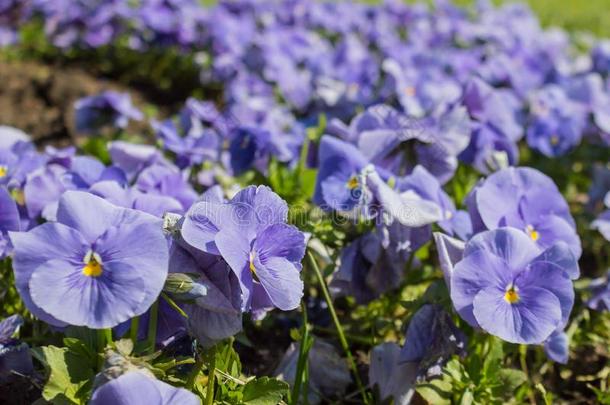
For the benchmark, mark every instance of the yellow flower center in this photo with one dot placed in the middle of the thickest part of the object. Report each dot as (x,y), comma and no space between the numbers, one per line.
(532,233)
(252,268)
(410,91)
(352,183)
(18,196)
(93,265)
(554,140)
(3,171)
(511,295)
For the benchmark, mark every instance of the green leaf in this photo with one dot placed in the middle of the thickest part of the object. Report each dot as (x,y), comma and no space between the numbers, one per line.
(511,379)
(68,373)
(264,391)
(437,391)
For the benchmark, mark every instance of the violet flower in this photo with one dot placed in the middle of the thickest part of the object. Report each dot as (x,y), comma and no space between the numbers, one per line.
(95,271)
(138,388)
(107,108)
(508,286)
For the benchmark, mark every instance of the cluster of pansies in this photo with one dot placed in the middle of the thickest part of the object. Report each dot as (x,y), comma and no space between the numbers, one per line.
(397,109)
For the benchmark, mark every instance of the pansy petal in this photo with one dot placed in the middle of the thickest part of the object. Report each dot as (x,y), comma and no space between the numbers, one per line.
(561,256)
(280,278)
(132,388)
(476,271)
(201,224)
(548,276)
(450,251)
(280,240)
(529,321)
(34,248)
(147,254)
(235,249)
(95,302)
(557,347)
(512,245)
(76,210)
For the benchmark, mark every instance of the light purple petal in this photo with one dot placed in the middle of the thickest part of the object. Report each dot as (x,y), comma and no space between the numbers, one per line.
(95,302)
(280,278)
(38,246)
(530,321)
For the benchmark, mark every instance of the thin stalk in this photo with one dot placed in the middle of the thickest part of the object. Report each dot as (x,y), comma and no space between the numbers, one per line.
(101,345)
(190,382)
(209,395)
(303,357)
(341,335)
(108,335)
(152,325)
(173,304)
(133,331)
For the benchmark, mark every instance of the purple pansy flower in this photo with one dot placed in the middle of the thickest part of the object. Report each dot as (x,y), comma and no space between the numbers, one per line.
(376,262)
(394,378)
(328,371)
(556,123)
(251,234)
(91,270)
(526,199)
(215,312)
(557,347)
(136,388)
(14,355)
(602,223)
(106,108)
(9,220)
(508,286)
(600,290)
(432,338)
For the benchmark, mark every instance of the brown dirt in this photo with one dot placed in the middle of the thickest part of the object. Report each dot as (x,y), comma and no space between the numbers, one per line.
(39,99)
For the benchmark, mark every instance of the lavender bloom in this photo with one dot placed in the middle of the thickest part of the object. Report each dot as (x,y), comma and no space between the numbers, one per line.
(251,234)
(506,285)
(137,388)
(556,124)
(328,371)
(197,146)
(107,108)
(167,181)
(601,56)
(133,158)
(346,182)
(393,378)
(9,221)
(103,269)
(602,223)
(432,338)
(497,127)
(376,262)
(153,204)
(557,348)
(525,199)
(169,22)
(600,298)
(214,311)
(14,355)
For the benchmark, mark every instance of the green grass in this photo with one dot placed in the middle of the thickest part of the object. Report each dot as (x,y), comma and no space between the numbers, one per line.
(575,15)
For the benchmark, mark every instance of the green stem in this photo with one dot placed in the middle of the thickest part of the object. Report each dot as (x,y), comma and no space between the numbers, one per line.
(209,396)
(303,357)
(173,304)
(133,331)
(190,382)
(341,335)
(152,326)
(101,345)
